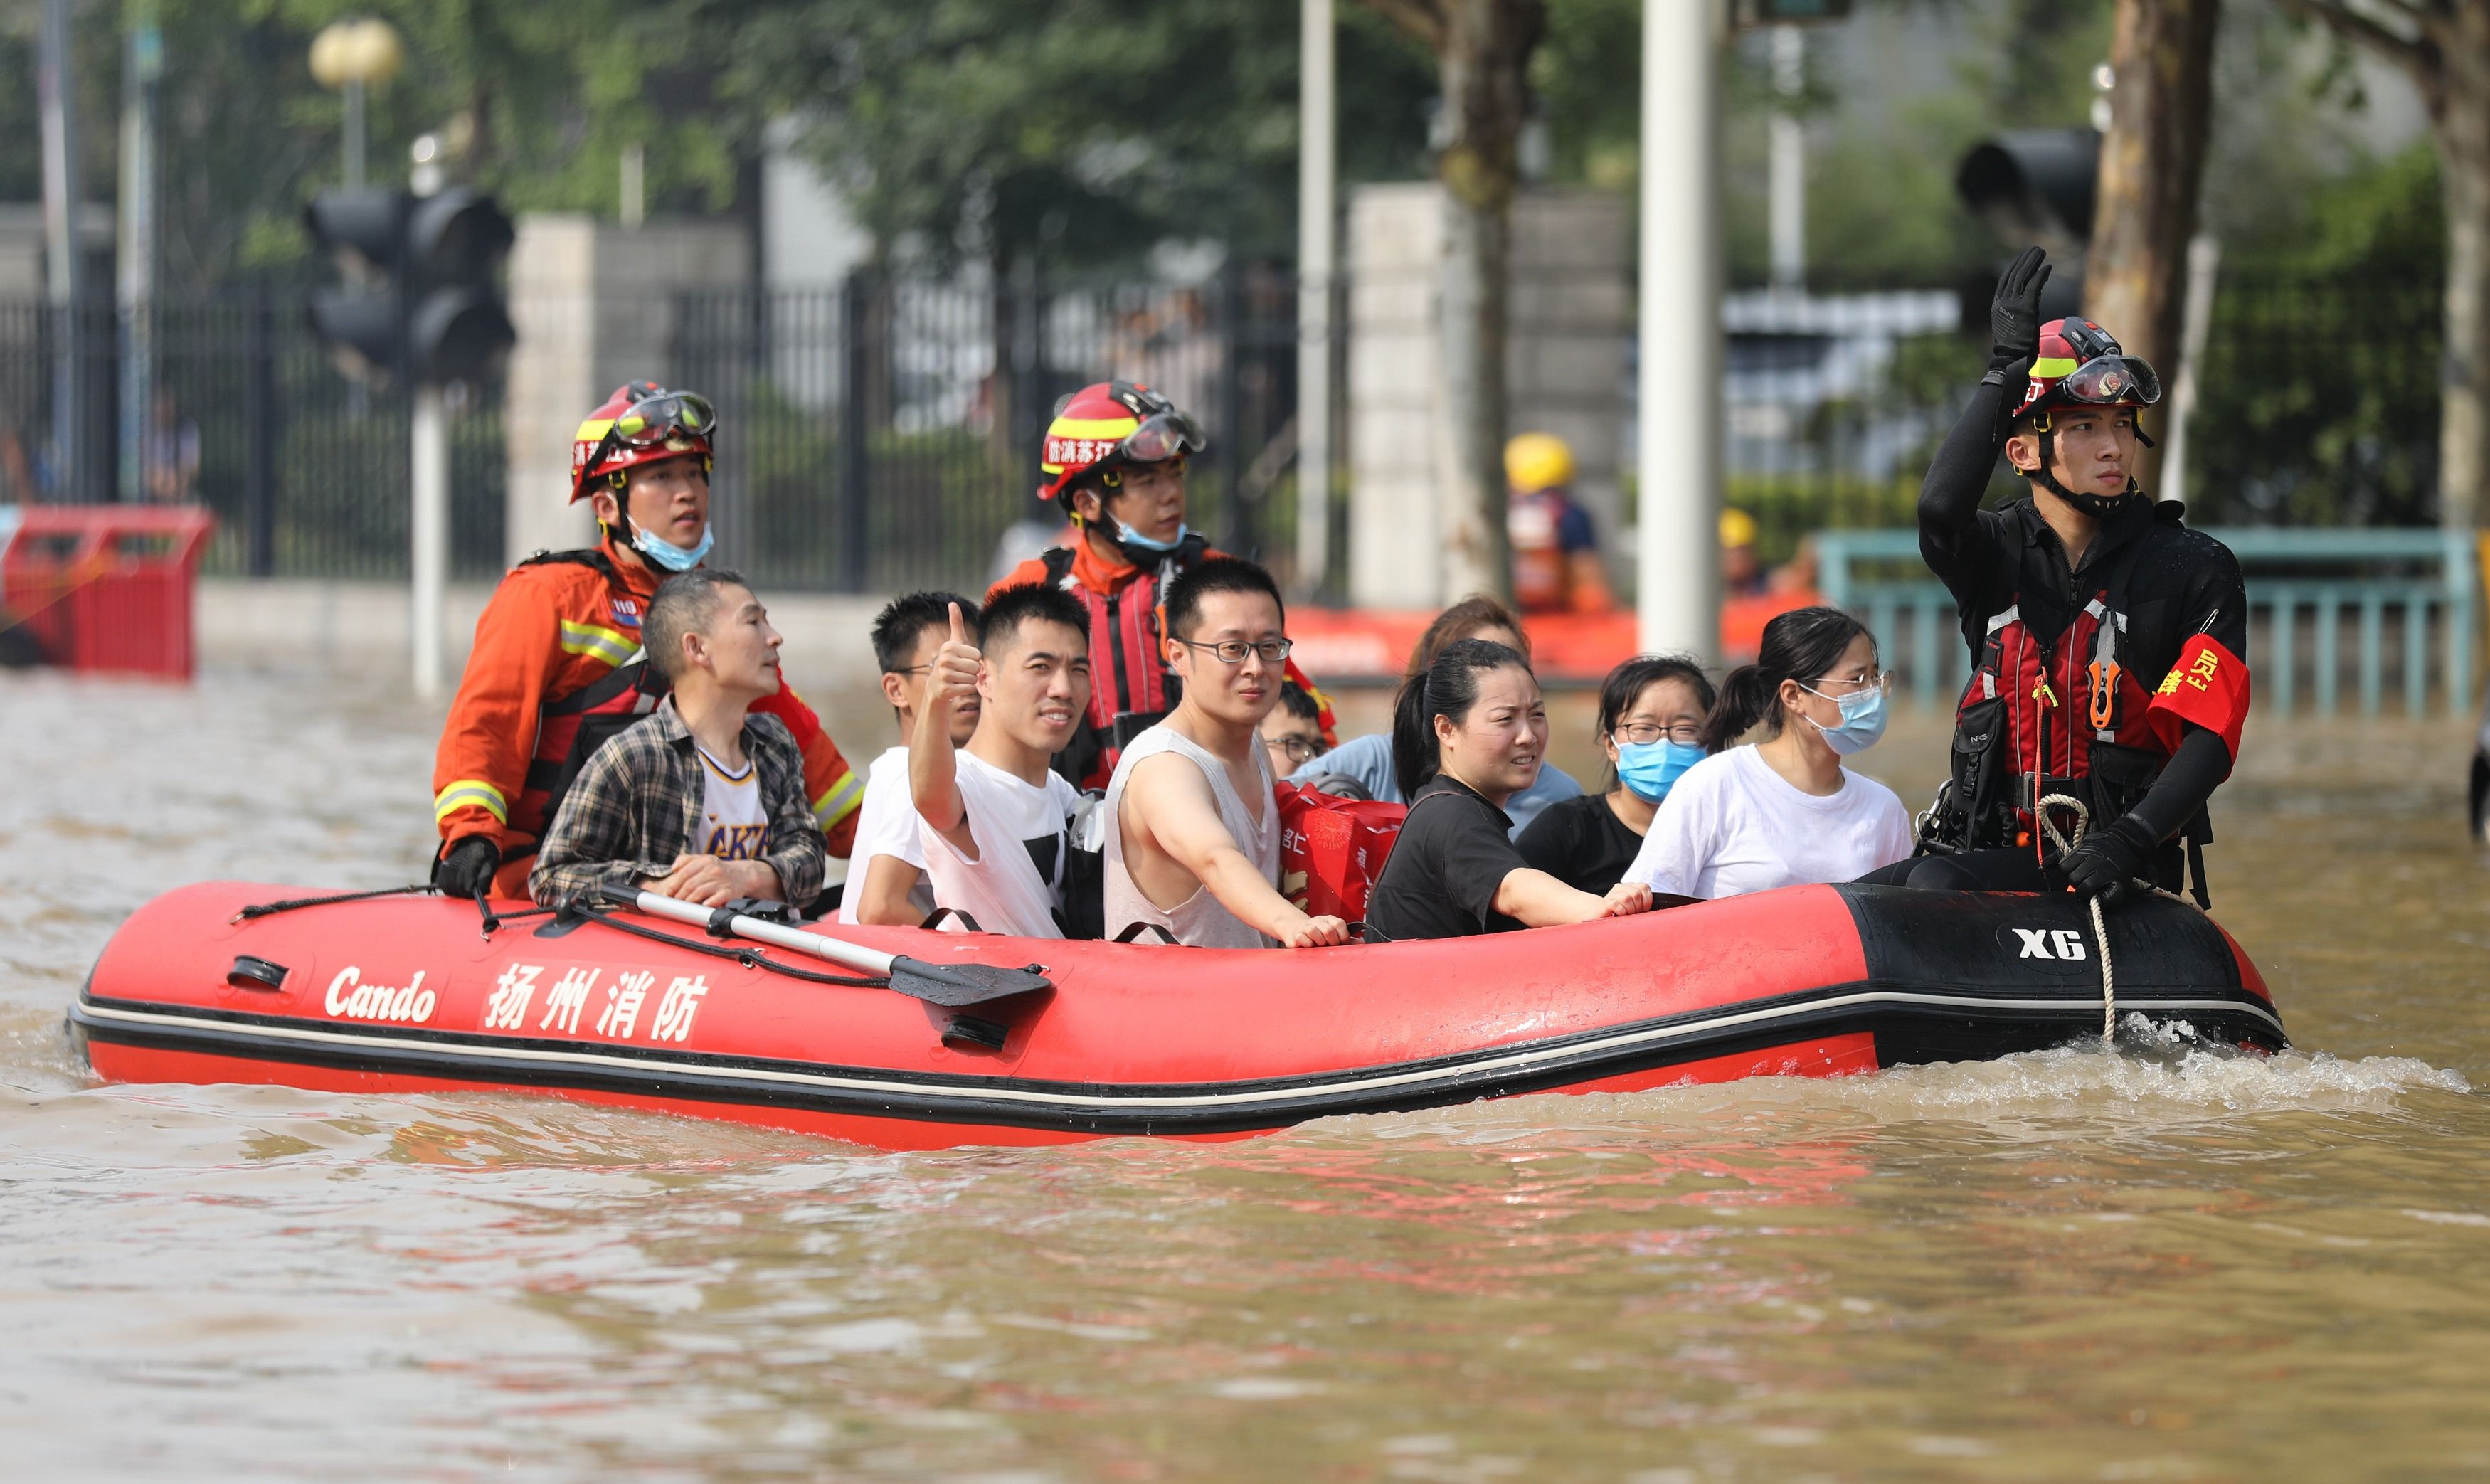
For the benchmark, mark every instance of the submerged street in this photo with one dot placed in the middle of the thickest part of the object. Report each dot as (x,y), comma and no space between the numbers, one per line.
(2157,1265)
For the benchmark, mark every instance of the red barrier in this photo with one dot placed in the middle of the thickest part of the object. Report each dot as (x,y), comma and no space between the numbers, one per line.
(107,587)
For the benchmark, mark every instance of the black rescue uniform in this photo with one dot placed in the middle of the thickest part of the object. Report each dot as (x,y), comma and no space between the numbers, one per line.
(2123,681)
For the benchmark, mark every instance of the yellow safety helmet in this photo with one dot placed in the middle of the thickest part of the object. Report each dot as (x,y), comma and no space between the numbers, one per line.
(1536,461)
(1737,528)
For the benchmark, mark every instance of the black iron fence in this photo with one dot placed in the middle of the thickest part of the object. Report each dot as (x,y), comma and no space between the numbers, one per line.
(306,471)
(882,435)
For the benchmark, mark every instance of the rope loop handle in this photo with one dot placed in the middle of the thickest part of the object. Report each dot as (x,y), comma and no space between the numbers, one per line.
(2065,844)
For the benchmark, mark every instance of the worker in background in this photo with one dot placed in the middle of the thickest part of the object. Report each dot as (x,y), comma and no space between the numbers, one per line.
(1555,551)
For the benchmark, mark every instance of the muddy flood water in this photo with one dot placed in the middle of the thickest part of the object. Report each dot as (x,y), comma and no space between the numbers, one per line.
(2066,1265)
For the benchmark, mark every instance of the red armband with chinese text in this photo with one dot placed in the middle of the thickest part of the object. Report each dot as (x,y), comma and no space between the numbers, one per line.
(2209,686)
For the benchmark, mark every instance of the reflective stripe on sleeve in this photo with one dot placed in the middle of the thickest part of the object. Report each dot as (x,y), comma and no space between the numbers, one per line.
(840,801)
(608,645)
(470,793)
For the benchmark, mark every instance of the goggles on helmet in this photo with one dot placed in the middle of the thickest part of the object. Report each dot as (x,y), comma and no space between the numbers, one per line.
(2111,380)
(2105,374)
(1162,436)
(653,422)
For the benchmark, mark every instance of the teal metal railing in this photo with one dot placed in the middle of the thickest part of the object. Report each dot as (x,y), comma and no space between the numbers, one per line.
(2304,586)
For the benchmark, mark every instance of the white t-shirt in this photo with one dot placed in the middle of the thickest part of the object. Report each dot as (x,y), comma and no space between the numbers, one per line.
(886,826)
(732,826)
(1732,825)
(1016,826)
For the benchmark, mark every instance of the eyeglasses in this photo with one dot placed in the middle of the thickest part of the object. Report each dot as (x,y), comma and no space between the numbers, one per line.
(1878,679)
(1232,652)
(1642,733)
(1298,749)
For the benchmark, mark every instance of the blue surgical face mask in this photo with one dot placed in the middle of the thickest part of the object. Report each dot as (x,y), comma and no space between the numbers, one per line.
(1649,770)
(1126,536)
(1863,720)
(668,555)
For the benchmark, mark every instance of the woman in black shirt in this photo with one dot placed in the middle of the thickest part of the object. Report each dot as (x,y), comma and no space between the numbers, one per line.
(1651,726)
(1467,734)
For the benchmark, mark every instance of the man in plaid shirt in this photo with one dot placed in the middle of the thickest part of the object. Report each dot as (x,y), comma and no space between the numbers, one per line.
(703,800)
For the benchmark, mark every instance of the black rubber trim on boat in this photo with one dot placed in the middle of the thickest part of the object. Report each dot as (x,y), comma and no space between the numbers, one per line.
(1910,1024)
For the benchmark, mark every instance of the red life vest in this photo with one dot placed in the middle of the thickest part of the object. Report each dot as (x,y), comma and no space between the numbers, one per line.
(1131,689)
(2064,701)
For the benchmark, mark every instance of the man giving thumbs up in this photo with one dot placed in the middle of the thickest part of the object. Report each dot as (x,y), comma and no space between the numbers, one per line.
(995,815)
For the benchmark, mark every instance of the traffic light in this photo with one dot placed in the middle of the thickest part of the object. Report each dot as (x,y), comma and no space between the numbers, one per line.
(1790,13)
(420,301)
(2034,186)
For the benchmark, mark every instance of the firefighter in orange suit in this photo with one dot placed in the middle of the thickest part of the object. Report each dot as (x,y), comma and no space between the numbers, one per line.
(557,667)
(1113,462)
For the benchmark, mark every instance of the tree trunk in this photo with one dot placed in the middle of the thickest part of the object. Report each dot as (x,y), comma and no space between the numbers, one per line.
(2461,122)
(1484,54)
(2152,162)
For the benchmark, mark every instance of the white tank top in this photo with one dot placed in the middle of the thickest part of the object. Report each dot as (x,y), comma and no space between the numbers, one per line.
(1199,921)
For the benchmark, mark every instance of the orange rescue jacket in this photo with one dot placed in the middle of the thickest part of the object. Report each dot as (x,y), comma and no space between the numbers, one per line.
(552,629)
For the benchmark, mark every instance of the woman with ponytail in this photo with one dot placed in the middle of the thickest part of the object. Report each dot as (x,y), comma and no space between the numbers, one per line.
(1467,735)
(1783,810)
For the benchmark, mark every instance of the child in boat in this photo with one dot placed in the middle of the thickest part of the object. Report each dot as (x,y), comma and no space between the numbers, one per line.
(1467,735)
(1194,844)
(1651,726)
(886,881)
(703,800)
(1785,810)
(1362,767)
(994,816)
(1292,734)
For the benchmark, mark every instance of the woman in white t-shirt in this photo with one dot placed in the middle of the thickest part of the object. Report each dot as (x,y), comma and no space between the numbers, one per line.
(1783,811)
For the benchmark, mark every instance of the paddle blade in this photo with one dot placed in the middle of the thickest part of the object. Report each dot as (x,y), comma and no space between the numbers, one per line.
(953,985)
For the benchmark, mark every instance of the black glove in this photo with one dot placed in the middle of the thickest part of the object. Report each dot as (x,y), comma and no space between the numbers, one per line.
(2014,313)
(465,871)
(2108,859)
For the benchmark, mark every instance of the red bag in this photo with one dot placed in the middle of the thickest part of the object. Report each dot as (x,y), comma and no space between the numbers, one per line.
(1332,849)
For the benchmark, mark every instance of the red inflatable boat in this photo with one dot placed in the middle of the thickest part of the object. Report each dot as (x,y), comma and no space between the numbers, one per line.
(1053,1042)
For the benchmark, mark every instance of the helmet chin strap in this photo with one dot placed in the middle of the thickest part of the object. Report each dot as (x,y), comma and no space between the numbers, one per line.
(2097,506)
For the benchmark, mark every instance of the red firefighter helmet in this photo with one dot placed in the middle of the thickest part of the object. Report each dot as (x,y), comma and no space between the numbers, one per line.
(641,424)
(2080,366)
(1104,426)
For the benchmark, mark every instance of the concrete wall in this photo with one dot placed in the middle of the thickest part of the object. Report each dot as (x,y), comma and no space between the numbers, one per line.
(1570,320)
(594,307)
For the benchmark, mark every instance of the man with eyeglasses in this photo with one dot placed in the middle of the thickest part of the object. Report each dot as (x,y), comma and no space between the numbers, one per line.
(1193,847)
(1115,461)
(556,666)
(2108,641)
(1293,733)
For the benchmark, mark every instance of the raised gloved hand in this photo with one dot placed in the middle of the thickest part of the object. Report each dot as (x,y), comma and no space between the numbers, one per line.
(465,871)
(2014,313)
(2110,857)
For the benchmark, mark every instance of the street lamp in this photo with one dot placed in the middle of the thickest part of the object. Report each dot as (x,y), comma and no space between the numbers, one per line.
(348,56)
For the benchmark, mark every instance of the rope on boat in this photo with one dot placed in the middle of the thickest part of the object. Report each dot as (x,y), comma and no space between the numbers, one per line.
(2065,843)
(271,909)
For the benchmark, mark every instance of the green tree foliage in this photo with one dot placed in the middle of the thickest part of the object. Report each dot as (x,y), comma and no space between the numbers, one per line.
(1082,130)
(538,103)
(2320,401)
